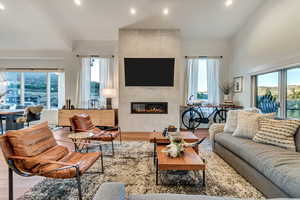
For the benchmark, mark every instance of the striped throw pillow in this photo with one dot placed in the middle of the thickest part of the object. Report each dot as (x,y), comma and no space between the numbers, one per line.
(277,132)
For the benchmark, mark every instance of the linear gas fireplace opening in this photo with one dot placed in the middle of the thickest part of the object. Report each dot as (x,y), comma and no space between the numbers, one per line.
(149,107)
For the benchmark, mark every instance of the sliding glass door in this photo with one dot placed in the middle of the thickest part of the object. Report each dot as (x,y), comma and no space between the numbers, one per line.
(267,92)
(279,88)
(293,93)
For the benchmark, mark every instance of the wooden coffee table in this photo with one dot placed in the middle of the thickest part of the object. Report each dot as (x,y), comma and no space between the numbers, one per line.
(158,138)
(189,161)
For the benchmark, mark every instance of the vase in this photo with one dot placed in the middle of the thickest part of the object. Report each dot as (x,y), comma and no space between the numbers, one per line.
(226,97)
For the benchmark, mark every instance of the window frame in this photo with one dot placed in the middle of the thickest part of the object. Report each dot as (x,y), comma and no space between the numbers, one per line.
(282,87)
(48,86)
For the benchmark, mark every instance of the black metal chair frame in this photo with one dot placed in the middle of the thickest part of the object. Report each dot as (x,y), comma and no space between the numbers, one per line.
(112,141)
(12,168)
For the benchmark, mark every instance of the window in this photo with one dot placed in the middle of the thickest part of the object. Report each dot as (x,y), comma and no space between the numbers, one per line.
(293,93)
(54,83)
(34,88)
(267,96)
(282,88)
(197,69)
(13,95)
(35,84)
(203,80)
(202,93)
(95,79)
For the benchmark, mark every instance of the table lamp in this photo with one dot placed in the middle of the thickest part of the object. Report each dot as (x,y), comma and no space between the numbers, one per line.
(109,93)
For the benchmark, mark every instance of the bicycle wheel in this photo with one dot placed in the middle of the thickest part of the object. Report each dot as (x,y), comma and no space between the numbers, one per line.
(220,116)
(191,118)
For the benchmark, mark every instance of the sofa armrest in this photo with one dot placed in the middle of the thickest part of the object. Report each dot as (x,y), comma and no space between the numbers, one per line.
(214,129)
(110,191)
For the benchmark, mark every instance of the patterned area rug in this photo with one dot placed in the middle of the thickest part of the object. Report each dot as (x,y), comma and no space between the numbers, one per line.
(133,165)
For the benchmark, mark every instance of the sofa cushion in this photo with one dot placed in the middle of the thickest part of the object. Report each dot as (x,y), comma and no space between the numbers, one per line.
(232,119)
(82,122)
(55,153)
(280,166)
(31,141)
(277,132)
(248,123)
(176,197)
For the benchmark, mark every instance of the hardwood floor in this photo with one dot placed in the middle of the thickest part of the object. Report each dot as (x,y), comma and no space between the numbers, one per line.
(22,184)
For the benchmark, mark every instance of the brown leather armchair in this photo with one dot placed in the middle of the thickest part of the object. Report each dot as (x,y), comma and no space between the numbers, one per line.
(83,123)
(34,151)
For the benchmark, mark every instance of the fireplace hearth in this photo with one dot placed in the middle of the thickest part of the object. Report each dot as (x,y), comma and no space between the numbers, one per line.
(149,108)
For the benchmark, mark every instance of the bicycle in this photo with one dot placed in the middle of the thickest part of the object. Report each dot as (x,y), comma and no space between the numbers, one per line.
(194,115)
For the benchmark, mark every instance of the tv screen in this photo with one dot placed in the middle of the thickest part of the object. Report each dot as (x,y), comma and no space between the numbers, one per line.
(149,71)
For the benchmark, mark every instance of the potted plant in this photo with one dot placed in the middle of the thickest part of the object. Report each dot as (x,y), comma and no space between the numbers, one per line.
(227,88)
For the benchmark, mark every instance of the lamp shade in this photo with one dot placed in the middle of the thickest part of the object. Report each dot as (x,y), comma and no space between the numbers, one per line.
(109,92)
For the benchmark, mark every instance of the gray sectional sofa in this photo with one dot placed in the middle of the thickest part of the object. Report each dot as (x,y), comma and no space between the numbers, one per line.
(272,170)
(116,191)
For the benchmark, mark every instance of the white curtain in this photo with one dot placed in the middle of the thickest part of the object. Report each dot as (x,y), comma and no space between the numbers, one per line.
(83,83)
(213,77)
(61,89)
(106,77)
(192,77)
(106,80)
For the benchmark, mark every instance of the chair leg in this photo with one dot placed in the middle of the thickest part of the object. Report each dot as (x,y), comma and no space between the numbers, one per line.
(120,136)
(78,183)
(112,147)
(10,184)
(102,164)
(1,124)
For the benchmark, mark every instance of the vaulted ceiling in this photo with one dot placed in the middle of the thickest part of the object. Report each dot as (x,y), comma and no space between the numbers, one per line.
(54,24)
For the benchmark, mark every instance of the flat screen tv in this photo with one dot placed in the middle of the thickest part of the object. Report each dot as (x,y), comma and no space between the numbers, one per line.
(149,72)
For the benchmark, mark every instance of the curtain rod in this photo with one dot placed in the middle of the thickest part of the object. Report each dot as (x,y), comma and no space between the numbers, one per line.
(220,57)
(94,56)
(32,69)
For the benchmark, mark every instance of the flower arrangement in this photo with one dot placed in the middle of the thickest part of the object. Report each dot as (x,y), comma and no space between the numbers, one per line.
(227,88)
(177,145)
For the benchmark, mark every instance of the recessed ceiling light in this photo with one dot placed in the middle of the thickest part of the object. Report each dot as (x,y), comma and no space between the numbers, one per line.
(166,11)
(229,3)
(132,11)
(77,2)
(2,7)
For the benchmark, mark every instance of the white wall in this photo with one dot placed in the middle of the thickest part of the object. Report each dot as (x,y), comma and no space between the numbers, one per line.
(270,39)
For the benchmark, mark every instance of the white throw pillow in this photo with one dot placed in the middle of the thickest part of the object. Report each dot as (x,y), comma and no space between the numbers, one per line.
(232,118)
(248,123)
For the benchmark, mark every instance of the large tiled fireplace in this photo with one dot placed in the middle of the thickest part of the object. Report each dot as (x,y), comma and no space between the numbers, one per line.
(149,108)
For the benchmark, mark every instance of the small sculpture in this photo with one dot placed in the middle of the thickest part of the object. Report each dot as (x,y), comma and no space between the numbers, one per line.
(177,146)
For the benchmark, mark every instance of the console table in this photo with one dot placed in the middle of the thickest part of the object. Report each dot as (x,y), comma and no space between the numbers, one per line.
(99,117)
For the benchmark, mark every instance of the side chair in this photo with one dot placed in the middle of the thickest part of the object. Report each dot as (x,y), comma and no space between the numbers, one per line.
(33,151)
(83,123)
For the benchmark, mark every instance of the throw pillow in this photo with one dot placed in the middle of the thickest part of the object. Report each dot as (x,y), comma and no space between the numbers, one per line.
(232,118)
(248,123)
(278,132)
